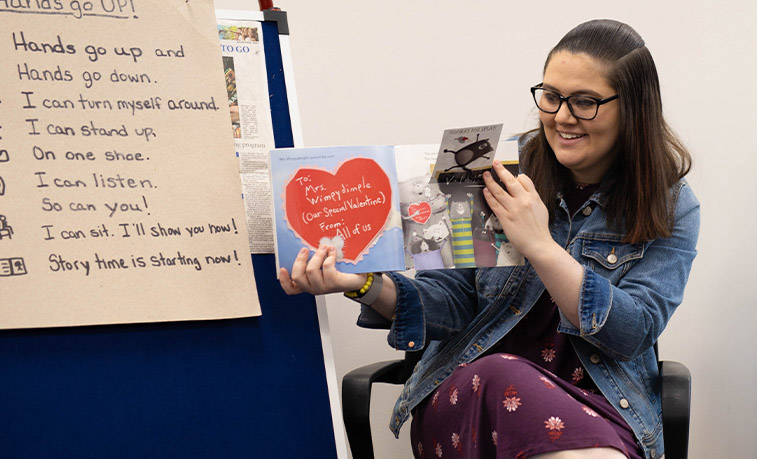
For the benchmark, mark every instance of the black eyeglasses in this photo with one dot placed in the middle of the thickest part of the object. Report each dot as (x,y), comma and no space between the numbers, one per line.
(581,107)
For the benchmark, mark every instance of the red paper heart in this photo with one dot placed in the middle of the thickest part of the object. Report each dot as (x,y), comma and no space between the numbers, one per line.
(353,203)
(420,212)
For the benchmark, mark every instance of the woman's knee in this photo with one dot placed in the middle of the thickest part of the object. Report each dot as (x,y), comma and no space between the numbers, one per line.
(585,453)
(505,366)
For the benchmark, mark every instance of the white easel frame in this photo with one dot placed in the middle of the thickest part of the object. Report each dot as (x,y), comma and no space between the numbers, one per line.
(320,301)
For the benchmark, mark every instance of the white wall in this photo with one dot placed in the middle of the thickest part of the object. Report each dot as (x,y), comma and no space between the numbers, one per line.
(379,72)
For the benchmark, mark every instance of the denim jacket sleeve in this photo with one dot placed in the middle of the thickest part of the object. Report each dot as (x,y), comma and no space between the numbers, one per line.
(624,312)
(432,306)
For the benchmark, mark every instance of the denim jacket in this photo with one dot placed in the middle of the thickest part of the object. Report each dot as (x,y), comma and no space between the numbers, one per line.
(628,293)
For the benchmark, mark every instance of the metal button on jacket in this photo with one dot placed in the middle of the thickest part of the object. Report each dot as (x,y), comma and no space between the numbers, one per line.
(587,211)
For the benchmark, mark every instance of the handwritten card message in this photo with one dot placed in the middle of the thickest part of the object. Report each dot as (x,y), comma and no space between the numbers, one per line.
(348,208)
(120,198)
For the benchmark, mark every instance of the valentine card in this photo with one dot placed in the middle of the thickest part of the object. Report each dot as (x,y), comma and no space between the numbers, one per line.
(344,197)
(382,209)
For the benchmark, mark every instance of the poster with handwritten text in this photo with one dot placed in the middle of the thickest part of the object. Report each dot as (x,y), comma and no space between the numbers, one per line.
(120,198)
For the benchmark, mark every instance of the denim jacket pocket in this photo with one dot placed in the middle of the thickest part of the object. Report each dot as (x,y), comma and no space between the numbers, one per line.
(608,256)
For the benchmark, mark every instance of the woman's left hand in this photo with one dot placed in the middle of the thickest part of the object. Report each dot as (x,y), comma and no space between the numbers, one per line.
(525,220)
(520,210)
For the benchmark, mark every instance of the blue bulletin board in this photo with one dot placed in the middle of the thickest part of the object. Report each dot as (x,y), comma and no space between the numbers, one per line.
(253,387)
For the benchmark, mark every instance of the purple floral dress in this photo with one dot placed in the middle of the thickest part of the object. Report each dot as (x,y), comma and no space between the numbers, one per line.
(529,395)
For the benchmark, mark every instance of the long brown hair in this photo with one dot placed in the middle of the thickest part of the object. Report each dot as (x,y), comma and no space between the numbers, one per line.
(651,158)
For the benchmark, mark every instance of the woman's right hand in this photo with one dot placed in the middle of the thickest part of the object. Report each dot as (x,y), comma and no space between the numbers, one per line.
(318,275)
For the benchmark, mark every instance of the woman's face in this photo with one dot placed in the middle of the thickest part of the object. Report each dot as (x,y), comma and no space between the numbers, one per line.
(586,148)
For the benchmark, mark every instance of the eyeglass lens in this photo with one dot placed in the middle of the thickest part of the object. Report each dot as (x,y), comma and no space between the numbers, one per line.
(581,107)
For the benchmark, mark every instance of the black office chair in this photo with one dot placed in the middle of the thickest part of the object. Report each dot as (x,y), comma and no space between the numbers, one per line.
(356,402)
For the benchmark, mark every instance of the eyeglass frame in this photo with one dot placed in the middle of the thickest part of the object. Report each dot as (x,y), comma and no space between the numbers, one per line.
(562,98)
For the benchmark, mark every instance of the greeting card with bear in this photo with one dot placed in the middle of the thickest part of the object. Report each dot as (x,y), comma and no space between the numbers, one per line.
(385,208)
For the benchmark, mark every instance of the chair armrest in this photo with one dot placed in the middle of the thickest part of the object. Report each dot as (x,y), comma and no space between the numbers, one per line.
(356,402)
(676,408)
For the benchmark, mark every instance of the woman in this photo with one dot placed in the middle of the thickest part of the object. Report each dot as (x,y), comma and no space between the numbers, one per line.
(555,357)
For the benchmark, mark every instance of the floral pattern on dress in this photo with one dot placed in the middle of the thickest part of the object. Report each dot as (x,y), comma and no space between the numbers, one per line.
(578,375)
(511,401)
(476,383)
(437,448)
(435,400)
(453,395)
(456,443)
(547,383)
(589,411)
(548,353)
(555,427)
(494,437)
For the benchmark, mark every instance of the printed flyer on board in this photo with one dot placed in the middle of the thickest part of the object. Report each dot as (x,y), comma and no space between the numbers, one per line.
(251,125)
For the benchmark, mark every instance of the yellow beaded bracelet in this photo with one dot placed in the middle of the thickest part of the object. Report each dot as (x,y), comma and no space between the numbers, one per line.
(361,291)
(369,292)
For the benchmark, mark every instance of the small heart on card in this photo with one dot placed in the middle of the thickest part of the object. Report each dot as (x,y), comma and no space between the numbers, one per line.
(420,212)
